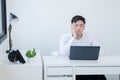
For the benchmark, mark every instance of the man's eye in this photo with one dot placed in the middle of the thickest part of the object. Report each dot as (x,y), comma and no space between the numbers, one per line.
(76,25)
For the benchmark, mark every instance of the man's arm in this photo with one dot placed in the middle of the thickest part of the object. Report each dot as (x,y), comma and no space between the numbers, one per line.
(65,44)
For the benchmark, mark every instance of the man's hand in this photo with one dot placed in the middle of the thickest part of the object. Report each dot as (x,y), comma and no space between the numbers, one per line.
(74,32)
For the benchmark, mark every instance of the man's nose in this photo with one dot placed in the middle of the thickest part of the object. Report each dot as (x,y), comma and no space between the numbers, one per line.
(79,27)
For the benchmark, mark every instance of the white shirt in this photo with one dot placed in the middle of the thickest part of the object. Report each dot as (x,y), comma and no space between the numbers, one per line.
(67,40)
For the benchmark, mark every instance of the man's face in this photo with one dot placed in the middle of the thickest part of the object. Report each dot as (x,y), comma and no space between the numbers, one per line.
(79,26)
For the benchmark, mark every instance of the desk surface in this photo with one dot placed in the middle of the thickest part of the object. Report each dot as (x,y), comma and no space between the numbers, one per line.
(108,60)
(5,62)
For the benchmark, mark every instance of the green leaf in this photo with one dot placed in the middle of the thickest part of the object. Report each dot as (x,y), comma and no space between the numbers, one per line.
(30,53)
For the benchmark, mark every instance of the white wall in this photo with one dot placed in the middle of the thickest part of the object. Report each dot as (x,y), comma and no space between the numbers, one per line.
(42,22)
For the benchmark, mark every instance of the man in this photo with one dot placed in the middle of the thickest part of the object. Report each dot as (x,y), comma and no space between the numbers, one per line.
(78,38)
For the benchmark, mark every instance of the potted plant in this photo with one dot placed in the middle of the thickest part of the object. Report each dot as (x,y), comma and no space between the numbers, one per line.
(30,54)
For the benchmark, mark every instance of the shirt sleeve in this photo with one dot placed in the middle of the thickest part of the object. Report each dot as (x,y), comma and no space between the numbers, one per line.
(65,43)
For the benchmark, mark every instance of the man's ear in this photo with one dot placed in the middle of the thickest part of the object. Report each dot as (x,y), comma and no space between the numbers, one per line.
(71,25)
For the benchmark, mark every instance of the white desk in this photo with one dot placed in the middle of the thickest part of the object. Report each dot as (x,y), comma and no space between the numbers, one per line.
(61,68)
(27,71)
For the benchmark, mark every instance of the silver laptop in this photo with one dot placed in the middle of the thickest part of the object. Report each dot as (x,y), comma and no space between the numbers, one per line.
(84,52)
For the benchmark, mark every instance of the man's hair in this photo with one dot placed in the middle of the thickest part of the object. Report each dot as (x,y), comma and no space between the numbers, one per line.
(77,18)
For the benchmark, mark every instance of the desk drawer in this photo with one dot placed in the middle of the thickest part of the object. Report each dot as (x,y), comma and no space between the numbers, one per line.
(97,70)
(60,78)
(59,71)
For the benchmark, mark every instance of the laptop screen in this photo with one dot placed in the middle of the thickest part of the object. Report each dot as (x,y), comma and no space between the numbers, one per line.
(84,52)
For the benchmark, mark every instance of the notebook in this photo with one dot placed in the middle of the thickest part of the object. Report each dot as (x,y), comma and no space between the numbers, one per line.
(84,52)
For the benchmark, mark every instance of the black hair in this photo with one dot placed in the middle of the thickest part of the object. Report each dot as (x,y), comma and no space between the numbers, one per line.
(77,18)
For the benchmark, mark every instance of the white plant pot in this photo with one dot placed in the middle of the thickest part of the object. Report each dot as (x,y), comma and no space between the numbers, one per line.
(31,60)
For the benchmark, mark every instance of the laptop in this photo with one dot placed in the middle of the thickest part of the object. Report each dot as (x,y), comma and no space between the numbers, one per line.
(84,52)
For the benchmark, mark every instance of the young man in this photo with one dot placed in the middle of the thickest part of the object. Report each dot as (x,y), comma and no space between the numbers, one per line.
(78,38)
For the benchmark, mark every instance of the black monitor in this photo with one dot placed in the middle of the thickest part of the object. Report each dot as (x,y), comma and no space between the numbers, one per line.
(3,22)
